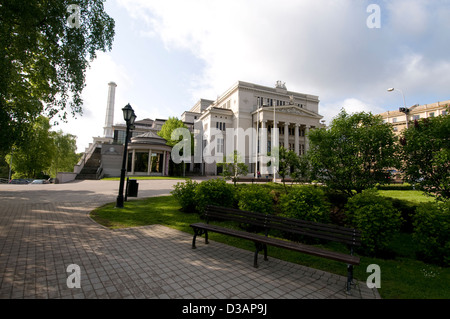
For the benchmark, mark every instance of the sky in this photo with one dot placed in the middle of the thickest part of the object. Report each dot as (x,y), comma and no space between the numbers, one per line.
(168,54)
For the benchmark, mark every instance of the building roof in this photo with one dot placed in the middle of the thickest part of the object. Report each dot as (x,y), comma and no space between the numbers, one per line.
(148,138)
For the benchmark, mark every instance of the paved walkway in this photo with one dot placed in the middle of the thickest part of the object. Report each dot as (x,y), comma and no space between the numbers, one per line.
(46,228)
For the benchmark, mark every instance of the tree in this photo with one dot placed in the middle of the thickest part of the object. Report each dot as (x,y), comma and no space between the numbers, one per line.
(425,151)
(354,153)
(289,164)
(64,156)
(45,49)
(166,131)
(45,152)
(233,167)
(34,156)
(168,127)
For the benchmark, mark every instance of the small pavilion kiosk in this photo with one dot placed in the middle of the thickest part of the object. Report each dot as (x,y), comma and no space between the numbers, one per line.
(148,155)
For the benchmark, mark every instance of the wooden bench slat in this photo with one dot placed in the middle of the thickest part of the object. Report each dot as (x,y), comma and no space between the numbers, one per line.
(349,236)
(311,250)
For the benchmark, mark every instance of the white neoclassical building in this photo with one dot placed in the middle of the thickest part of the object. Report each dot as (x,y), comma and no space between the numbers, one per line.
(251,112)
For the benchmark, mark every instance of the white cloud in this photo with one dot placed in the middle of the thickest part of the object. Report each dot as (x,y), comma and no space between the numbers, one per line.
(102,71)
(317,47)
(350,105)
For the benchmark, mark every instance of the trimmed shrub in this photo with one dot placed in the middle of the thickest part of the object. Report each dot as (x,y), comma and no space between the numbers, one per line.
(432,232)
(306,203)
(377,219)
(184,193)
(255,199)
(214,192)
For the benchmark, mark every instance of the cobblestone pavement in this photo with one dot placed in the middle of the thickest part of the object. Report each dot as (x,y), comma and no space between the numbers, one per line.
(46,228)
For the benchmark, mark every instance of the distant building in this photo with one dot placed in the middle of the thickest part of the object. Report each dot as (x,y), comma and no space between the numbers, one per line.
(252,106)
(250,109)
(416,112)
(148,153)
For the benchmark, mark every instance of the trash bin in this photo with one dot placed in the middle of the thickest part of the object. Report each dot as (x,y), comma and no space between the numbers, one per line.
(132,188)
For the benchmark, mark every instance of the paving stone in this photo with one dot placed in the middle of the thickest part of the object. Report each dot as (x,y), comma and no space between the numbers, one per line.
(46,228)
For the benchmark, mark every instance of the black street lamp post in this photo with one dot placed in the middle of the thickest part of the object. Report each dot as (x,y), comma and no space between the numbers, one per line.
(130,117)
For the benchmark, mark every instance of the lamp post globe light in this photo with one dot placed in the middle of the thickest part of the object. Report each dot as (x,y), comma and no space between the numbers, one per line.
(129,117)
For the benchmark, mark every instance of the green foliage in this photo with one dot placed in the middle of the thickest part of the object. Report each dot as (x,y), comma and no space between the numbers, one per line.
(377,219)
(255,199)
(233,167)
(432,232)
(306,203)
(425,151)
(64,156)
(214,192)
(44,151)
(35,155)
(43,60)
(292,165)
(184,192)
(168,127)
(354,153)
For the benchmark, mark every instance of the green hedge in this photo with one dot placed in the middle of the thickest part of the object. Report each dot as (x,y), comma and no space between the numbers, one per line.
(377,219)
(432,232)
(255,199)
(184,192)
(214,192)
(306,203)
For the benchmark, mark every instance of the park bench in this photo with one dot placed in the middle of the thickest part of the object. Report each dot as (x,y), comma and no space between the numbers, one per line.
(267,223)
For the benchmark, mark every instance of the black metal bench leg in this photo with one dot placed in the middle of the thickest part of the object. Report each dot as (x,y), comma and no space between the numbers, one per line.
(193,239)
(257,249)
(349,277)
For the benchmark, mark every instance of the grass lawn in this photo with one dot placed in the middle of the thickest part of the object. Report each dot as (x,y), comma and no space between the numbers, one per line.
(409,195)
(402,277)
(144,178)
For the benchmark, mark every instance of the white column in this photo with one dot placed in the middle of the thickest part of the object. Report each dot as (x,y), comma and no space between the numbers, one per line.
(256,147)
(275,135)
(149,168)
(306,139)
(263,148)
(297,142)
(286,135)
(275,144)
(263,143)
(132,162)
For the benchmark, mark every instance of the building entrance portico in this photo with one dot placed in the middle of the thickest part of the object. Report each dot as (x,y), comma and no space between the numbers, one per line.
(282,126)
(148,155)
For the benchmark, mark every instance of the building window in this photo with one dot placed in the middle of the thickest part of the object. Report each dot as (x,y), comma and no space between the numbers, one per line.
(432,114)
(394,120)
(219,145)
(416,117)
(220,126)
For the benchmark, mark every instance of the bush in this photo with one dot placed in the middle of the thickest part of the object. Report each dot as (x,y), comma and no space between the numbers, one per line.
(432,232)
(255,199)
(408,210)
(377,219)
(306,203)
(184,193)
(214,192)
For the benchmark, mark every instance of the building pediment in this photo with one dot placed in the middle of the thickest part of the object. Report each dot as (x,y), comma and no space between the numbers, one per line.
(292,110)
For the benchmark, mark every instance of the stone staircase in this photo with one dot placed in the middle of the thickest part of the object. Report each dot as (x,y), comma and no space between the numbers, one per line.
(91,167)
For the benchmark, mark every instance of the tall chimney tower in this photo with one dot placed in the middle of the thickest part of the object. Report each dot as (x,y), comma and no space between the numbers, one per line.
(109,119)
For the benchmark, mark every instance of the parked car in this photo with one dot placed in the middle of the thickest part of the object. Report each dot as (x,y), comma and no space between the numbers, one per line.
(40,181)
(18,181)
